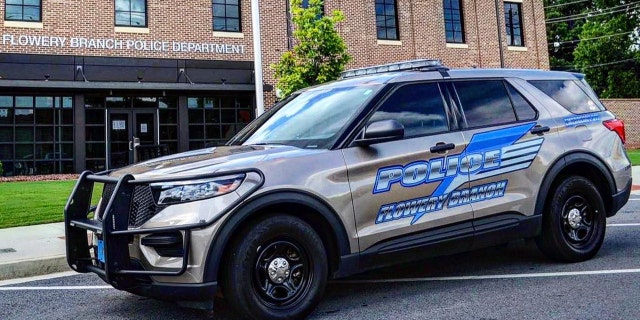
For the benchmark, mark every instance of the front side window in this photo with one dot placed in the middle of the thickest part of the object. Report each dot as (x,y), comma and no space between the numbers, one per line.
(226,15)
(418,107)
(23,10)
(513,22)
(387,20)
(485,102)
(453,22)
(131,13)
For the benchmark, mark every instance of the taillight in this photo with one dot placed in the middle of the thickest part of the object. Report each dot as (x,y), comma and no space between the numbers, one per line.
(616,125)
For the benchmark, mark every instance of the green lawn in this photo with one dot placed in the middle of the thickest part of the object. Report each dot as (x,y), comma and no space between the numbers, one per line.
(634,156)
(27,203)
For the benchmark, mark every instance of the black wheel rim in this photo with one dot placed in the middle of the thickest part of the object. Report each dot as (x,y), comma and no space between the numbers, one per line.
(282,273)
(578,221)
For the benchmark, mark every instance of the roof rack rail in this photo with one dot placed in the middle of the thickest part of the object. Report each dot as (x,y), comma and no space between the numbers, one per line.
(420,65)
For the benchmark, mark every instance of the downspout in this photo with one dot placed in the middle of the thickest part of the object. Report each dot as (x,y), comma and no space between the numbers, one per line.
(499,34)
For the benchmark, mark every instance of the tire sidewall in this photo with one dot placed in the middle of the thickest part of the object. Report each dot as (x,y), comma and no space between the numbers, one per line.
(243,259)
(568,188)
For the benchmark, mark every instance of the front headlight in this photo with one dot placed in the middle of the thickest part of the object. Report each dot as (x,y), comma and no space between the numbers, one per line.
(183,191)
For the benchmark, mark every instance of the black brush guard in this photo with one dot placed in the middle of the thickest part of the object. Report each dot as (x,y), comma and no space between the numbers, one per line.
(118,269)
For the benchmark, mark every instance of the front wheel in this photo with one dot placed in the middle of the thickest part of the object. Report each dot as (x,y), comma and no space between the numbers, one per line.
(277,269)
(573,225)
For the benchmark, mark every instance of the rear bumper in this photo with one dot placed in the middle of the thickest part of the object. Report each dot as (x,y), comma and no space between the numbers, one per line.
(620,199)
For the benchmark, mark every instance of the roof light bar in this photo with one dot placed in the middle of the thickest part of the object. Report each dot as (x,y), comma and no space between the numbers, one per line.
(396,66)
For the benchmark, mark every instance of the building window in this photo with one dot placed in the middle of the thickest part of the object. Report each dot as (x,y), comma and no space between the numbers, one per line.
(226,15)
(214,120)
(513,21)
(36,134)
(387,20)
(131,13)
(23,10)
(453,22)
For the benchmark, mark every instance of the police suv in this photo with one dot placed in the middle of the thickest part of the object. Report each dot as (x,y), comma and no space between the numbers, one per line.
(389,164)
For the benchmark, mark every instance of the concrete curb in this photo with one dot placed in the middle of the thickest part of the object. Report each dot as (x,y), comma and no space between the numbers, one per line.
(33,267)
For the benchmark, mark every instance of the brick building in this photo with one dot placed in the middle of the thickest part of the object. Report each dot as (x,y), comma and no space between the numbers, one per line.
(80,79)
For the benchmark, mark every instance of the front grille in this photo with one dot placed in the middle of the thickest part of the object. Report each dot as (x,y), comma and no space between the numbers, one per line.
(143,206)
(107,191)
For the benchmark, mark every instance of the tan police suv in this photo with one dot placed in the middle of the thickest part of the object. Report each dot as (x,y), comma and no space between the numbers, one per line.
(389,164)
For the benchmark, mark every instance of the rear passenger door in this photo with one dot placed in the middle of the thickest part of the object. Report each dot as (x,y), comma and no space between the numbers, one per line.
(507,147)
(400,187)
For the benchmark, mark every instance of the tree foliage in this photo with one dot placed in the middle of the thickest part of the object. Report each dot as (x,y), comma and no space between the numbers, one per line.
(319,54)
(603,43)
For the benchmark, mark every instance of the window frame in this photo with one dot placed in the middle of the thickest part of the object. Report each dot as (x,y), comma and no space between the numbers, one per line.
(452,22)
(225,17)
(39,6)
(130,25)
(395,17)
(508,23)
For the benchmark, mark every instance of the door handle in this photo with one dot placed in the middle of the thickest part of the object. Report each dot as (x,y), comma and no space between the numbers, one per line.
(442,147)
(130,145)
(538,129)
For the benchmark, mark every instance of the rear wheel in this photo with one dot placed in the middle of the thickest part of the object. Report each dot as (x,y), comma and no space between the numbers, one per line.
(276,269)
(573,227)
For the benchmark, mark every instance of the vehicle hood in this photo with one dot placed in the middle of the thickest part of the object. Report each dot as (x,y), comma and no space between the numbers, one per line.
(206,161)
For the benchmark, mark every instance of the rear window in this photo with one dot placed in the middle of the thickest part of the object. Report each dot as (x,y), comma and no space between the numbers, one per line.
(485,102)
(568,94)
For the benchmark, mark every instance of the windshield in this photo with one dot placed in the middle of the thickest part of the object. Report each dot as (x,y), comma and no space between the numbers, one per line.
(314,118)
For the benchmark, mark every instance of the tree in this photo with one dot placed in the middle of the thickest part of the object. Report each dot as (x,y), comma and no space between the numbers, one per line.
(319,54)
(600,38)
(611,58)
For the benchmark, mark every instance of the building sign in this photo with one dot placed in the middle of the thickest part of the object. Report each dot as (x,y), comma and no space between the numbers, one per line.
(112,44)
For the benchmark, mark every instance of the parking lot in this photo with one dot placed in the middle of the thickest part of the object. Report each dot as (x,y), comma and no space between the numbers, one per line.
(507,282)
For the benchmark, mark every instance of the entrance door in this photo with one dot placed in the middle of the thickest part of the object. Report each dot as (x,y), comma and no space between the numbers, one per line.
(128,128)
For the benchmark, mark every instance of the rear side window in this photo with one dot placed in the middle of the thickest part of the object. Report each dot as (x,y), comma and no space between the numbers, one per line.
(485,102)
(524,110)
(568,94)
(419,107)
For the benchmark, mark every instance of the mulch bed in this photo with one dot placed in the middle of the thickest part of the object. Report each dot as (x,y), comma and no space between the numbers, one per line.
(48,177)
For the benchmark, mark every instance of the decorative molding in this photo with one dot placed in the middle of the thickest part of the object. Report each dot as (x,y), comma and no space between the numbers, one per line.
(458,45)
(514,48)
(222,34)
(24,24)
(390,42)
(130,30)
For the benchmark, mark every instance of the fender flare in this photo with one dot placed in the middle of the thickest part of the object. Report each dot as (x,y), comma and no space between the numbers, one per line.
(246,211)
(563,162)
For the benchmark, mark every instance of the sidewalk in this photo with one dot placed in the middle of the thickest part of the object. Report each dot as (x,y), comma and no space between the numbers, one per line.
(36,250)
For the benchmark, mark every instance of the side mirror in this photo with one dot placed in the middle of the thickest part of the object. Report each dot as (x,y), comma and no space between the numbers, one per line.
(381,131)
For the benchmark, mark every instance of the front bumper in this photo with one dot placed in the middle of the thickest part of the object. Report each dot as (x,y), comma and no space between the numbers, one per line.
(118,267)
(620,199)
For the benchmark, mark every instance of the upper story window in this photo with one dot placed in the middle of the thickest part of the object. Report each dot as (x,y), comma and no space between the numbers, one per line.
(453,21)
(387,19)
(23,10)
(131,13)
(513,22)
(226,15)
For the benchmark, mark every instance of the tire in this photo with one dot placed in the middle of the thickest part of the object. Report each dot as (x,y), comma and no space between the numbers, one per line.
(573,225)
(275,269)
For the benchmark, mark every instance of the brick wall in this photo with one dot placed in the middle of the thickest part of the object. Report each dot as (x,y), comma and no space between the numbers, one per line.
(421,26)
(629,111)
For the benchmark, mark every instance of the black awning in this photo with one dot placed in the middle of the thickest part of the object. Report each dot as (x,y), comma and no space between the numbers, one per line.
(103,85)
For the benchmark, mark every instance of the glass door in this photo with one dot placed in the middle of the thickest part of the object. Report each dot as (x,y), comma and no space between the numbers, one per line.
(127,129)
